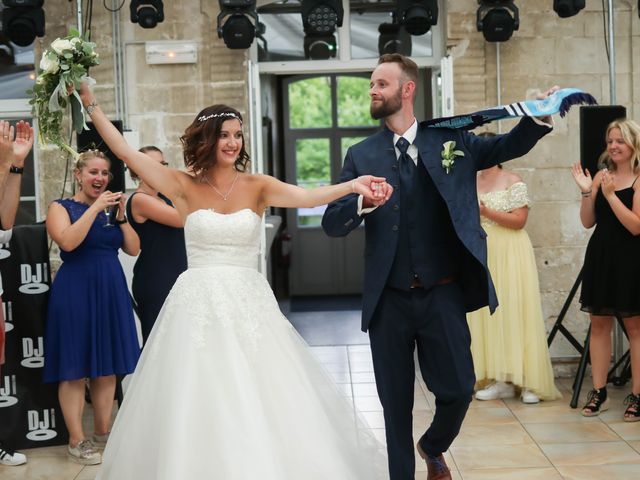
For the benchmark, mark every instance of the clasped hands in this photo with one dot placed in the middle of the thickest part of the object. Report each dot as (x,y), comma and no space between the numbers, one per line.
(375,190)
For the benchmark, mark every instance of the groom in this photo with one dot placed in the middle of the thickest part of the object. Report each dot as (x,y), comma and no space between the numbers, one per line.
(425,259)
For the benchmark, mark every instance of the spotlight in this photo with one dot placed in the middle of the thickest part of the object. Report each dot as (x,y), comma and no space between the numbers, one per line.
(394,39)
(417,16)
(319,47)
(147,13)
(319,20)
(238,31)
(23,21)
(321,17)
(497,19)
(567,8)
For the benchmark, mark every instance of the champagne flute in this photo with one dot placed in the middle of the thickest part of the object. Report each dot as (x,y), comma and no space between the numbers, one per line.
(110,213)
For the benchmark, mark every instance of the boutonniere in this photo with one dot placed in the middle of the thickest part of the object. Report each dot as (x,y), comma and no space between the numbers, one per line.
(449,154)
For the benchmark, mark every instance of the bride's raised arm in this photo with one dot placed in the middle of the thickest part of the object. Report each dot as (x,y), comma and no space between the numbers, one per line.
(165,180)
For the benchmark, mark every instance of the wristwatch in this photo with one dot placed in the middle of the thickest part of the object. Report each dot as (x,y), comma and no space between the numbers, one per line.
(14,169)
(120,222)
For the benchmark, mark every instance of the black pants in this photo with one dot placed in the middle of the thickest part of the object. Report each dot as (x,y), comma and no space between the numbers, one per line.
(434,321)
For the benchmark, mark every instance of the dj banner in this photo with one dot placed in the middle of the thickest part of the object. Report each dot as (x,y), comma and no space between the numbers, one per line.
(30,415)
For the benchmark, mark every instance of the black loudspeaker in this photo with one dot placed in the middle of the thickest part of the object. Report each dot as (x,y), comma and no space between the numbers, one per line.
(594,121)
(91,139)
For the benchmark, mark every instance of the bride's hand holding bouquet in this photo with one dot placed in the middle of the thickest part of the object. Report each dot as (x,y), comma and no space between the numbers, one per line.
(65,64)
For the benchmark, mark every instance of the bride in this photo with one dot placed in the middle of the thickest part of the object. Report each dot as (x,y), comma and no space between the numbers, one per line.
(225,388)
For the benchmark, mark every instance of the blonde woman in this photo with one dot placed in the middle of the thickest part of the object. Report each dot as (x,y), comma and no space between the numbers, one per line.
(610,286)
(90,331)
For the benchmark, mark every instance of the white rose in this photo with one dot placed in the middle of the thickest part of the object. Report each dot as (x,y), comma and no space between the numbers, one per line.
(76,42)
(49,65)
(59,45)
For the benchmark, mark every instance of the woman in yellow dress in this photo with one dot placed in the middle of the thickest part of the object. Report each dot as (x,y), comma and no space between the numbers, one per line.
(509,347)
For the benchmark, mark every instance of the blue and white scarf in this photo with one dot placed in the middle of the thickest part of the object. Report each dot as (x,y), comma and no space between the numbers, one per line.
(558,102)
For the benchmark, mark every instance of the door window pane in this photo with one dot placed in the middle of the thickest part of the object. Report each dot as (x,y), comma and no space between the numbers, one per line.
(310,103)
(353,102)
(313,169)
(17,70)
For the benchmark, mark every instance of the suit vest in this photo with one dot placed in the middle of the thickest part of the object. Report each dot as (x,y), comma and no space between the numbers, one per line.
(428,246)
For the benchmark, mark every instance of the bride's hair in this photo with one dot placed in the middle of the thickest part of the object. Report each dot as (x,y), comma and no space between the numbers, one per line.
(201,138)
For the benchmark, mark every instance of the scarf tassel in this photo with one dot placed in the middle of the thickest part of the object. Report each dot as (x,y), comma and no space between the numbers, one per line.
(579,98)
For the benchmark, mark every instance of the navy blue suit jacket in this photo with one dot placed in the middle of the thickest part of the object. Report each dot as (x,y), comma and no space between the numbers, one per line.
(376,156)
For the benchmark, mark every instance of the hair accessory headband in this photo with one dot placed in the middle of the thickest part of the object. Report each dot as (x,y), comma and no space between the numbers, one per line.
(204,118)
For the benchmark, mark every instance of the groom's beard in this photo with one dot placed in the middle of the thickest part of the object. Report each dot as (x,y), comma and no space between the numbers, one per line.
(388,107)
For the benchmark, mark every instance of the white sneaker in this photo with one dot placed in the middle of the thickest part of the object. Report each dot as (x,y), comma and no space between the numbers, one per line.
(84,453)
(11,458)
(496,390)
(528,396)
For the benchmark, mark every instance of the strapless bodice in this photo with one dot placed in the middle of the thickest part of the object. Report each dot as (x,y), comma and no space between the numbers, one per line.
(214,238)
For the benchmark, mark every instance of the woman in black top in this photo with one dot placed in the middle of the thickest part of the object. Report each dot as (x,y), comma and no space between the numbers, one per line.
(163,256)
(610,287)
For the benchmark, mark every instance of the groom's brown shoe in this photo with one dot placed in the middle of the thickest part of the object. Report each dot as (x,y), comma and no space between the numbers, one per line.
(436,466)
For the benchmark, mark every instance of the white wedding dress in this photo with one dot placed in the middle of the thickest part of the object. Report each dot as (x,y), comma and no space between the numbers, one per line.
(225,388)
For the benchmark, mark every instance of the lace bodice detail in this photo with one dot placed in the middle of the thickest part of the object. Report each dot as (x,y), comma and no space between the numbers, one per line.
(214,238)
(515,196)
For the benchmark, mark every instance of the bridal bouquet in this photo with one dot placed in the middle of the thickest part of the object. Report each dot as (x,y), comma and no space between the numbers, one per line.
(64,64)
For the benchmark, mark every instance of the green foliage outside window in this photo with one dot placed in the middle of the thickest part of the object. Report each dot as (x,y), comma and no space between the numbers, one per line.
(310,103)
(353,103)
(312,162)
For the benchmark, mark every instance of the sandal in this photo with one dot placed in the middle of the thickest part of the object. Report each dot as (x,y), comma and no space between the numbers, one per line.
(597,402)
(632,413)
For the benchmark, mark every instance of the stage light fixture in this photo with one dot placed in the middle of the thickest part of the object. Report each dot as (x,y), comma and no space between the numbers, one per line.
(497,19)
(238,31)
(417,16)
(147,13)
(320,47)
(568,8)
(321,17)
(23,21)
(393,39)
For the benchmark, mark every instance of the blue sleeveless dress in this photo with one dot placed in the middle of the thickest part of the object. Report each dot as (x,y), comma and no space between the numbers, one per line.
(90,329)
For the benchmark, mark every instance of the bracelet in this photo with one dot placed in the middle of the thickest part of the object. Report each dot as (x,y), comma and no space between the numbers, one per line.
(91,107)
(14,169)
(353,186)
(586,194)
(120,222)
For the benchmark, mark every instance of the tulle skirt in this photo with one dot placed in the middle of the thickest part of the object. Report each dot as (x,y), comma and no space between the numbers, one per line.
(511,344)
(226,389)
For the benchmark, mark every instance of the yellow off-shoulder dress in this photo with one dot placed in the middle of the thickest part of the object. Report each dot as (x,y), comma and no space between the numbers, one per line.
(511,345)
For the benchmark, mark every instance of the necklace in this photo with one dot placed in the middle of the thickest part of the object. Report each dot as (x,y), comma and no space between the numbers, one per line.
(223,195)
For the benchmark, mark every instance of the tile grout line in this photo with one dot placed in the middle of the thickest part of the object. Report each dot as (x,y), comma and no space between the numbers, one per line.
(534,440)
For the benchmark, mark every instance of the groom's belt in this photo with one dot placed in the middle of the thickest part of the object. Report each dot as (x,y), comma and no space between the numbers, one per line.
(417,283)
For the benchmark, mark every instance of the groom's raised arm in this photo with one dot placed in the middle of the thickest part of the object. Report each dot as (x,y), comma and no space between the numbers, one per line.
(489,151)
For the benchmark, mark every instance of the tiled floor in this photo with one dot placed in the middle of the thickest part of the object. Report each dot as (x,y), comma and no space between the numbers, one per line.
(499,439)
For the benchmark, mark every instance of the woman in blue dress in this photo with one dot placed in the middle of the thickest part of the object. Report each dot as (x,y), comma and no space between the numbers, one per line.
(90,329)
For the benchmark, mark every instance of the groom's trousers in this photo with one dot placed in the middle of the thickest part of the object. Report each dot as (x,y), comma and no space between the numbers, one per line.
(434,321)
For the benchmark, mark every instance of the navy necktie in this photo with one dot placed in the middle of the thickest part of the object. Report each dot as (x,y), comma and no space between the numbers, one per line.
(406,167)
